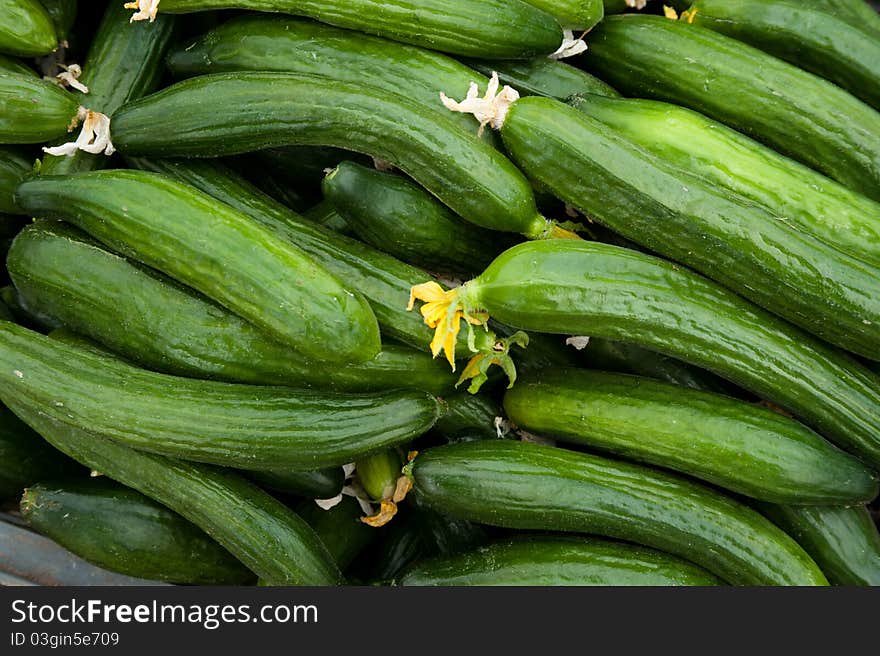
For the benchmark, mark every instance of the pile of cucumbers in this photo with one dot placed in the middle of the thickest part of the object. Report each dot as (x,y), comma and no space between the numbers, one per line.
(471,292)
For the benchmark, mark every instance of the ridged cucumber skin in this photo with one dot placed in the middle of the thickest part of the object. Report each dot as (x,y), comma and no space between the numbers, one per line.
(270,43)
(857,12)
(62,13)
(243,266)
(33,110)
(579,288)
(809,38)
(12,65)
(799,195)
(676,213)
(558,561)
(276,109)
(397,216)
(119,529)
(14,166)
(23,315)
(790,110)
(26,29)
(326,216)
(318,484)
(572,14)
(488,28)
(162,325)
(124,62)
(264,534)
(468,413)
(733,444)
(246,426)
(26,459)
(843,541)
(544,77)
(340,528)
(527,486)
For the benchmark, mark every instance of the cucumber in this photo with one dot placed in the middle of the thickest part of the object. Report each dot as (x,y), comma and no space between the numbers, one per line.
(34,110)
(26,459)
(24,315)
(62,14)
(397,216)
(805,199)
(11,65)
(268,43)
(124,62)
(14,166)
(735,445)
(527,486)
(469,413)
(860,13)
(26,29)
(790,110)
(680,215)
(544,77)
(490,28)
(326,216)
(243,266)
(320,484)
(378,474)
(251,427)
(809,38)
(579,288)
(558,561)
(340,529)
(169,328)
(275,109)
(572,14)
(262,533)
(120,529)
(843,541)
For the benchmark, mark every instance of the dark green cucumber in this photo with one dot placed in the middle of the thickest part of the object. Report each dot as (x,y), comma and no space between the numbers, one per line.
(488,28)
(34,110)
(340,529)
(14,166)
(527,486)
(397,216)
(809,38)
(858,12)
(124,62)
(558,561)
(156,322)
(793,111)
(572,14)
(469,413)
(26,316)
(247,426)
(275,109)
(544,77)
(843,541)
(326,216)
(243,266)
(26,29)
(268,43)
(580,288)
(12,65)
(800,196)
(264,534)
(63,14)
(119,529)
(682,216)
(735,445)
(26,459)
(319,484)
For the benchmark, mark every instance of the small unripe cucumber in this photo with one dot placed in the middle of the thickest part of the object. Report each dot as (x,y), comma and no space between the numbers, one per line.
(26,29)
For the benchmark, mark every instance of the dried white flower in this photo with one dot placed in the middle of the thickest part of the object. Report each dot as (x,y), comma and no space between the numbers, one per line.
(636,4)
(69,77)
(491,109)
(93,138)
(570,46)
(578,341)
(145,10)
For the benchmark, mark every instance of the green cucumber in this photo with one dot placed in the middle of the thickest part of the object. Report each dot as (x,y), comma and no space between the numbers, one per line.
(274,109)
(378,474)
(800,196)
(26,459)
(326,216)
(735,445)
(169,328)
(527,486)
(25,315)
(488,28)
(243,266)
(26,29)
(14,166)
(544,77)
(684,217)
(469,413)
(11,65)
(397,216)
(320,484)
(63,14)
(262,533)
(558,561)
(795,112)
(247,426)
(124,62)
(580,288)
(572,14)
(809,38)
(33,110)
(858,12)
(120,529)
(843,541)
(340,529)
